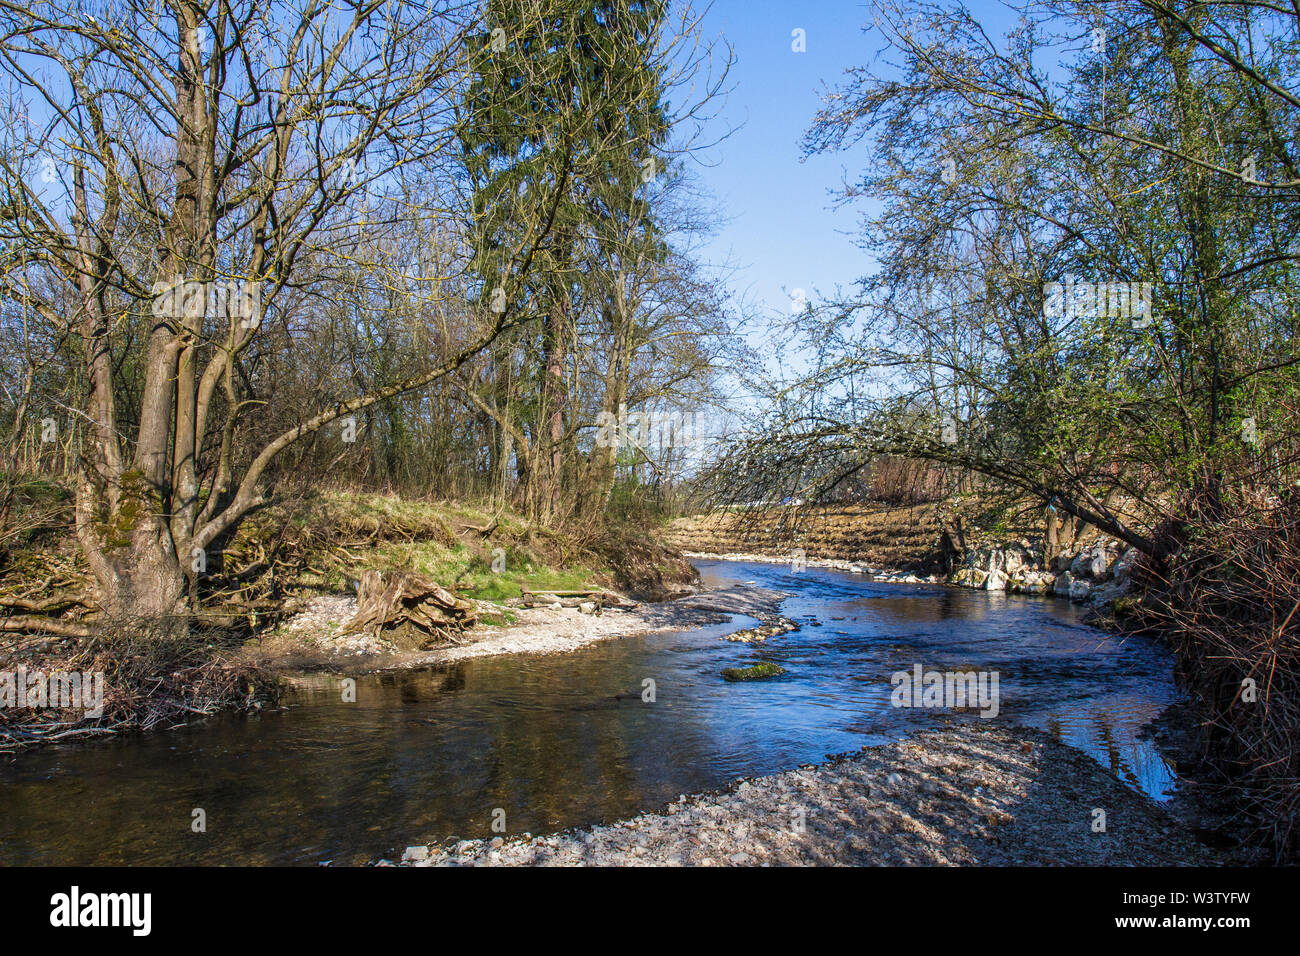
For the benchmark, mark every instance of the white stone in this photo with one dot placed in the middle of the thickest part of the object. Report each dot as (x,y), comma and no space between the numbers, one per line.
(1124,566)
(1099,564)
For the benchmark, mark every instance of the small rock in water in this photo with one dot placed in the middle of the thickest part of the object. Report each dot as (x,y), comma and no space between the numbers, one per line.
(759,671)
(415,853)
(759,634)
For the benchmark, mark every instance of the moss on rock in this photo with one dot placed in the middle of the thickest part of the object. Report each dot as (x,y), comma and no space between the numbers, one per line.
(759,671)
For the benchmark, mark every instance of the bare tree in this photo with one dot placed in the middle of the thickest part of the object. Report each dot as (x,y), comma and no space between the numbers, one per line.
(204,154)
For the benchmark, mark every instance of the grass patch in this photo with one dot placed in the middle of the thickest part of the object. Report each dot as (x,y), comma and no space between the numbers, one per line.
(328,540)
(470,572)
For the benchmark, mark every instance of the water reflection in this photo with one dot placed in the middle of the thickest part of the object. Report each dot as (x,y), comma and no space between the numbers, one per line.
(566,740)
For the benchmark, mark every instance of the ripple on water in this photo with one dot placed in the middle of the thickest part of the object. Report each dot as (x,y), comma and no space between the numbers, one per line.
(566,740)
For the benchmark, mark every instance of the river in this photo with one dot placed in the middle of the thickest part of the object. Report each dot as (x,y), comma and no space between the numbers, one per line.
(566,740)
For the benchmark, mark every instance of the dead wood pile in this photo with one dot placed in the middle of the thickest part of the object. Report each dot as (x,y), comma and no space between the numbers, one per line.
(411,605)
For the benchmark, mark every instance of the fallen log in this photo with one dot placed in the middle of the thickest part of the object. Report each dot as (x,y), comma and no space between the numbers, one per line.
(412,605)
(603,598)
(23,624)
(586,593)
(48,605)
(486,531)
(543,599)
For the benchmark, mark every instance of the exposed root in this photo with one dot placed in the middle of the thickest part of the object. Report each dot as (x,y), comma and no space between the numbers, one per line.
(155,675)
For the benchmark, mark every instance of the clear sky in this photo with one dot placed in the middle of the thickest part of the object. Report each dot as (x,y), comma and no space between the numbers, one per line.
(782,231)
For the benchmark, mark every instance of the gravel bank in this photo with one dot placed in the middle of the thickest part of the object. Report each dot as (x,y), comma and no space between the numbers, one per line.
(556,631)
(540,630)
(970,794)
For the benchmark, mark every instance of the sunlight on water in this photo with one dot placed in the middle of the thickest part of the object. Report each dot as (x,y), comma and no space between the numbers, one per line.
(566,740)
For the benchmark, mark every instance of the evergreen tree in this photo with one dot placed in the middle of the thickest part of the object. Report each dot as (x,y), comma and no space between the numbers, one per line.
(562,125)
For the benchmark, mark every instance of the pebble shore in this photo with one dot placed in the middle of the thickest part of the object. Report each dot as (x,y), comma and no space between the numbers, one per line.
(316,628)
(971,794)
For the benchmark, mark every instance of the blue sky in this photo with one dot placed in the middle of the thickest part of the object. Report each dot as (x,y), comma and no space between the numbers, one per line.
(782,231)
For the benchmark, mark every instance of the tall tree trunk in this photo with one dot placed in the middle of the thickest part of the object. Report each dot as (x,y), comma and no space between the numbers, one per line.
(132,555)
(547,480)
(122,511)
(614,402)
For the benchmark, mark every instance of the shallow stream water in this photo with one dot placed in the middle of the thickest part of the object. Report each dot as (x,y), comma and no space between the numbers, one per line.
(566,740)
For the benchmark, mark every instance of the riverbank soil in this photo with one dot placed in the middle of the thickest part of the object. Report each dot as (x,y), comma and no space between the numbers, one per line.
(880,535)
(898,537)
(297,559)
(973,794)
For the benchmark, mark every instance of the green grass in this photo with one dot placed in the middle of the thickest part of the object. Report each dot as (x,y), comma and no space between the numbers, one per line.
(498,620)
(421,536)
(460,565)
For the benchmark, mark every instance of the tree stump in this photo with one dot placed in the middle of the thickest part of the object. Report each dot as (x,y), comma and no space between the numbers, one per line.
(411,606)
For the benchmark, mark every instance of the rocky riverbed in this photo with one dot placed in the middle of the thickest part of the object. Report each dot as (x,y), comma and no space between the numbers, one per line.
(835,564)
(972,794)
(1096,574)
